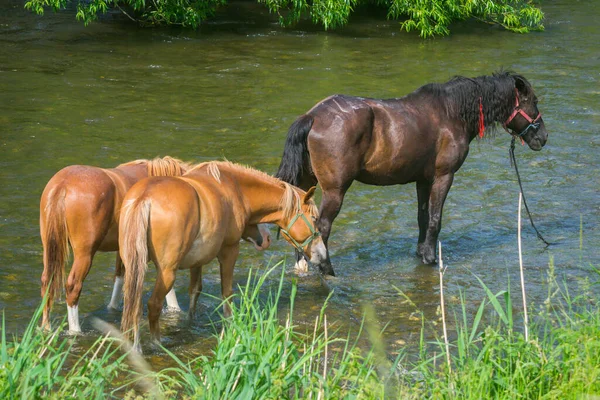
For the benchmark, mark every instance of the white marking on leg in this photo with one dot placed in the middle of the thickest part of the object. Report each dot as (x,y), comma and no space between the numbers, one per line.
(73,317)
(137,347)
(117,293)
(172,303)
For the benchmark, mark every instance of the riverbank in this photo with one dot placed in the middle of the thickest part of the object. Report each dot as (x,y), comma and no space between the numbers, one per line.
(259,357)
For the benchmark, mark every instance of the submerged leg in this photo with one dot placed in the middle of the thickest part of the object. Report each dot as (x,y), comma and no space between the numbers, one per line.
(330,208)
(423,192)
(195,289)
(439,191)
(82,261)
(117,293)
(227,257)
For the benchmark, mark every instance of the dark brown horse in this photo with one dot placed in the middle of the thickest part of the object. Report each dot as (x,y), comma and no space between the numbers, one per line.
(422,137)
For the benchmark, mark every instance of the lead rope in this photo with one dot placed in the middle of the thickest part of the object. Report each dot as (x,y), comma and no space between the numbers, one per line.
(513,161)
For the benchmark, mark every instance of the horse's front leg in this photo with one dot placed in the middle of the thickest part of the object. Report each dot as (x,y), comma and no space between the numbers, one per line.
(330,208)
(423,192)
(437,197)
(227,257)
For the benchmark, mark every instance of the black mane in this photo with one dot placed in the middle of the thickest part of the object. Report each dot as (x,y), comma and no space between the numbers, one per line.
(461,96)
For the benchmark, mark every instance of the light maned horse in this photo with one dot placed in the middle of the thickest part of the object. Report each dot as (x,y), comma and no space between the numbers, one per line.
(80,206)
(185,222)
(422,137)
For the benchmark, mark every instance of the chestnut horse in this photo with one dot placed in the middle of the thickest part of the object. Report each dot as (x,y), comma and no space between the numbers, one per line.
(185,222)
(422,137)
(80,206)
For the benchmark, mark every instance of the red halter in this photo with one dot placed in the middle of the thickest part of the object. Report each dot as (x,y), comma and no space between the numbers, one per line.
(533,123)
(517,110)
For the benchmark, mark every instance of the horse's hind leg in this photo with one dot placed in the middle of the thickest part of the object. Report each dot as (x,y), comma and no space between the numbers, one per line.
(82,261)
(117,293)
(439,191)
(164,283)
(423,192)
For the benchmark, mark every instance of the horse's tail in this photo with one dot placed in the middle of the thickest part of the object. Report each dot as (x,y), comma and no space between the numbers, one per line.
(295,161)
(133,245)
(55,241)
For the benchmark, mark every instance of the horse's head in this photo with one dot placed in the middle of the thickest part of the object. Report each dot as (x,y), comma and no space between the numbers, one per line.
(258,235)
(526,121)
(300,230)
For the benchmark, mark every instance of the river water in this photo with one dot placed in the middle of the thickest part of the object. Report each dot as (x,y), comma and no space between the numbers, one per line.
(112,92)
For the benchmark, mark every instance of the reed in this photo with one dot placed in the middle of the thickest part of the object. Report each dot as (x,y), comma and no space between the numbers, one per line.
(41,364)
(256,357)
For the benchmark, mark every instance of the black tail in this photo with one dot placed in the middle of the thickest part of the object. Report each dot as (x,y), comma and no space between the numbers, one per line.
(295,160)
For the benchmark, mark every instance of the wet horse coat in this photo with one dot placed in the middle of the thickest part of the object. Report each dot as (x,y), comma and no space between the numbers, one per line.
(422,137)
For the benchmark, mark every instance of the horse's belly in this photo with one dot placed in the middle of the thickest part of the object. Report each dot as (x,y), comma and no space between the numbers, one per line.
(385,178)
(201,253)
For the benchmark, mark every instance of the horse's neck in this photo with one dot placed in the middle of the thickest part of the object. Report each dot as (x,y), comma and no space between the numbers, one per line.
(493,106)
(263,198)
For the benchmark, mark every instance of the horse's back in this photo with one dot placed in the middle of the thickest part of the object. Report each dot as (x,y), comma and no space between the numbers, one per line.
(376,141)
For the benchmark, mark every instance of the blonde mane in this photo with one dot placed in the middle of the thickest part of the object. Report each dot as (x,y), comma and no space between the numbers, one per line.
(165,166)
(290,201)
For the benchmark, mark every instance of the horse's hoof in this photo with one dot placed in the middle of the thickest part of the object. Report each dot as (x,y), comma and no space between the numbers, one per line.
(420,250)
(155,345)
(429,260)
(326,268)
(137,349)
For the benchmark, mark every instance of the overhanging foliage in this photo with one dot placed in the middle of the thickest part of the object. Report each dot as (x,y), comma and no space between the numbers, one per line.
(428,17)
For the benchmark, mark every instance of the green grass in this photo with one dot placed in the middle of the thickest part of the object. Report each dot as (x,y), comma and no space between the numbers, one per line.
(561,360)
(42,365)
(258,357)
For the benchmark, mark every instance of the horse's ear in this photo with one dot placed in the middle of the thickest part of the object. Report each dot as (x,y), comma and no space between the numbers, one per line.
(522,85)
(309,194)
